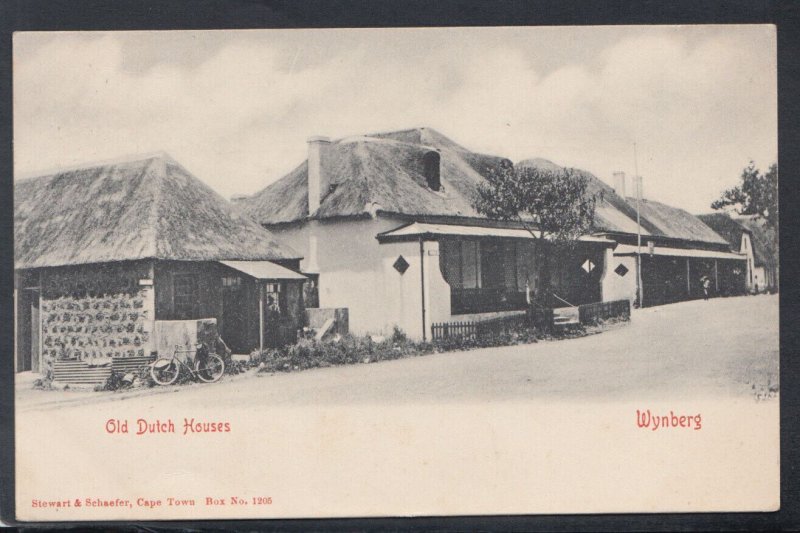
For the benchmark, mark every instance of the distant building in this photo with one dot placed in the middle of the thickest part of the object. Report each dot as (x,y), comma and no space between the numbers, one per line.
(765,249)
(740,239)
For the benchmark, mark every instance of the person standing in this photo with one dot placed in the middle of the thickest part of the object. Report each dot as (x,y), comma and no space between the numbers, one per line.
(706,284)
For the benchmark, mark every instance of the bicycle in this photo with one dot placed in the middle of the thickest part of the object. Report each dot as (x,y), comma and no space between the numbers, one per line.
(208,367)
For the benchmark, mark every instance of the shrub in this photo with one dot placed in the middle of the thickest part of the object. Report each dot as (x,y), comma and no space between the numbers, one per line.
(46,381)
(398,335)
(113,382)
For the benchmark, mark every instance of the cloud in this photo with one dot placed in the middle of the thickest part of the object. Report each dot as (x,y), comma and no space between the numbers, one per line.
(698,108)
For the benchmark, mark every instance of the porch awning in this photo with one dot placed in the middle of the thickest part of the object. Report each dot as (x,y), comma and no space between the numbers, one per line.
(629,249)
(263,270)
(418,230)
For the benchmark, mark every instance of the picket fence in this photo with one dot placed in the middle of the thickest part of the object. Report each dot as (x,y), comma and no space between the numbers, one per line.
(535,317)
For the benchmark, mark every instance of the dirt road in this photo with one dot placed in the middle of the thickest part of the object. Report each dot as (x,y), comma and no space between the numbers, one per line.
(725,346)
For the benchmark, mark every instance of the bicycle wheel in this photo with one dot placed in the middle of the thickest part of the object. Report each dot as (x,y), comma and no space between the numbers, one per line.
(210,368)
(165,371)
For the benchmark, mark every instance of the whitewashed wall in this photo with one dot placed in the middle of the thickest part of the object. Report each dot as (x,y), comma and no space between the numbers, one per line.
(614,286)
(357,272)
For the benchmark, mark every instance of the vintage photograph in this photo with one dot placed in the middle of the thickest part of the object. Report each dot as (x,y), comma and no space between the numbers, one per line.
(396,272)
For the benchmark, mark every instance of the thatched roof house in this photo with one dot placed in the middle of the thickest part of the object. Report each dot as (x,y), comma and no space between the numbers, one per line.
(751,236)
(382,173)
(110,257)
(765,241)
(149,208)
(728,228)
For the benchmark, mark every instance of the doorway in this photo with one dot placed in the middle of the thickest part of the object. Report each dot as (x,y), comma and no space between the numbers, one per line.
(235,324)
(28,333)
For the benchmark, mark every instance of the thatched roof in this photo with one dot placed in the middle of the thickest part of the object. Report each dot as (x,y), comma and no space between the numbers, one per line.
(765,241)
(675,223)
(726,227)
(149,208)
(612,212)
(616,214)
(380,172)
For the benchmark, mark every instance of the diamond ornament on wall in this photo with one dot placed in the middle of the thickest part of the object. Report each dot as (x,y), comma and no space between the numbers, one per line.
(588,266)
(401,265)
(621,270)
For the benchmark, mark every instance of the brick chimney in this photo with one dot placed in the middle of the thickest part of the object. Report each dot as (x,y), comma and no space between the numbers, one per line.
(318,182)
(619,183)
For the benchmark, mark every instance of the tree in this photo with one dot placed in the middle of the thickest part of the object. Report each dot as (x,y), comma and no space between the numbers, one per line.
(757,194)
(554,206)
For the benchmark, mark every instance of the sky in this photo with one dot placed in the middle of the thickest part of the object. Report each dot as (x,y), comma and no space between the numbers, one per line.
(236,107)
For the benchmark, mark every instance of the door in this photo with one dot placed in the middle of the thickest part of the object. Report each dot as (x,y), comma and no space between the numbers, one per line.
(277,323)
(28,341)
(234,323)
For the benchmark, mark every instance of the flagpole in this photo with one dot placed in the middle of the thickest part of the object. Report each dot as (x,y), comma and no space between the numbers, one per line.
(638,182)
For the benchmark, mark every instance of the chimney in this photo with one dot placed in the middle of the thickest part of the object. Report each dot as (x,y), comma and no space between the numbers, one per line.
(619,183)
(318,183)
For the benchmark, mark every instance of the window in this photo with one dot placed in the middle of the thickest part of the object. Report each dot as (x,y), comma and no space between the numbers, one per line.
(470,264)
(490,264)
(431,168)
(510,265)
(273,304)
(233,282)
(185,295)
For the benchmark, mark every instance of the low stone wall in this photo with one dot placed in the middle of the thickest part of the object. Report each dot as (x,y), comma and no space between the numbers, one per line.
(184,333)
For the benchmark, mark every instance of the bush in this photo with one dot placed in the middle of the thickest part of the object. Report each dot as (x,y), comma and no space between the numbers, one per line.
(349,349)
(237,367)
(113,382)
(398,335)
(46,381)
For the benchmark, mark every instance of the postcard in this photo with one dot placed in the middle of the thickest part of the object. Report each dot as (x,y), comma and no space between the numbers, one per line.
(377,272)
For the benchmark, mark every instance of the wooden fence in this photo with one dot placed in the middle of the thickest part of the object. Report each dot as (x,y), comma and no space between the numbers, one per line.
(592,313)
(449,330)
(537,317)
(468,330)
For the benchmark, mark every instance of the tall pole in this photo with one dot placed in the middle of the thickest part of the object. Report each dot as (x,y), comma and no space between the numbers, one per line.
(638,183)
(260,316)
(422,285)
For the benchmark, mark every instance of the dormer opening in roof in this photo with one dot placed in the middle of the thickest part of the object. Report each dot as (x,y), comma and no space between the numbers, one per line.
(318,180)
(431,168)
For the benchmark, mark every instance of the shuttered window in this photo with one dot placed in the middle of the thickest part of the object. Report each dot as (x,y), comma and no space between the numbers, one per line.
(510,264)
(470,264)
